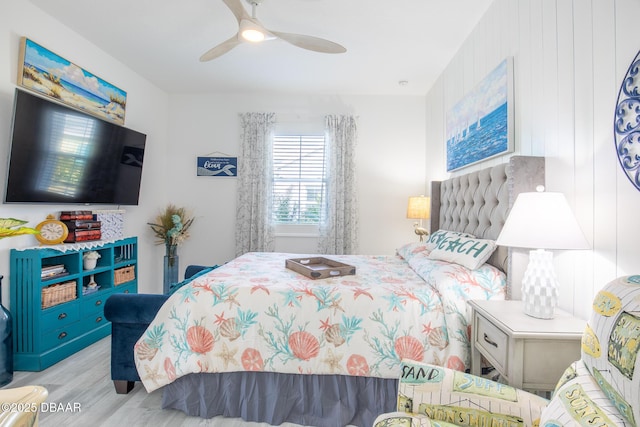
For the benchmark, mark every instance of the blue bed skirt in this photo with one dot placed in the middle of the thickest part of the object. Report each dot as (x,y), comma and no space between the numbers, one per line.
(309,400)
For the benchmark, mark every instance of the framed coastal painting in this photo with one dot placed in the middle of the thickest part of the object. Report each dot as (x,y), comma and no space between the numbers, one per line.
(48,74)
(480,125)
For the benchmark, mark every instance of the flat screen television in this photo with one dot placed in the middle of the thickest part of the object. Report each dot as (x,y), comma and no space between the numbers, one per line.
(60,155)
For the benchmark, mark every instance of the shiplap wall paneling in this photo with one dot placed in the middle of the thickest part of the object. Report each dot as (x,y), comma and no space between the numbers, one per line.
(583,107)
(558,103)
(569,60)
(523,80)
(537,100)
(603,162)
(549,102)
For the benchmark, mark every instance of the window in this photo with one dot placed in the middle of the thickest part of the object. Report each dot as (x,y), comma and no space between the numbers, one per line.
(299,179)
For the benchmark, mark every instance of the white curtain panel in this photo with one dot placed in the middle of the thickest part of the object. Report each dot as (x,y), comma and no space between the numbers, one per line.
(339,227)
(254,226)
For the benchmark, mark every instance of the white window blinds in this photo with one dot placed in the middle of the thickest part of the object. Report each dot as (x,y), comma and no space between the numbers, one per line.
(299,179)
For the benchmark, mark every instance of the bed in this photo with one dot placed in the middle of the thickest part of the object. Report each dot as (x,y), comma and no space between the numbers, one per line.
(255,340)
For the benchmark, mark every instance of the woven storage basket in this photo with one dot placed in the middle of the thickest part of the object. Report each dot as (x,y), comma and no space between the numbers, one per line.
(123,275)
(58,293)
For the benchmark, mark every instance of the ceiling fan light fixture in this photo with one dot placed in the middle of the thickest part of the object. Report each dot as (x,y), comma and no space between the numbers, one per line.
(253,35)
(252,31)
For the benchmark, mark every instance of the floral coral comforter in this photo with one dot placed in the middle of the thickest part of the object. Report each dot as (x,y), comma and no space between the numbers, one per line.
(253,314)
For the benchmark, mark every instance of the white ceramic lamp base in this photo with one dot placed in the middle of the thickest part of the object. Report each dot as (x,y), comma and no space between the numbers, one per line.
(540,285)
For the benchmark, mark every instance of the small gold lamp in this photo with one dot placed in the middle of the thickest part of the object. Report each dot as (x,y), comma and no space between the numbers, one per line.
(419,207)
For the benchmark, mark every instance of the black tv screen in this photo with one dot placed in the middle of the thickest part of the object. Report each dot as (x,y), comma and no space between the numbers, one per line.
(61,155)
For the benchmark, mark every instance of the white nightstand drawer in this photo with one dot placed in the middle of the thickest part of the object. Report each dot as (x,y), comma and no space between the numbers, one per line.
(493,341)
(527,352)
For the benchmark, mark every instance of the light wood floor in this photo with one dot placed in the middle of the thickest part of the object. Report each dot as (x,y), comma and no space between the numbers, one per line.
(84,379)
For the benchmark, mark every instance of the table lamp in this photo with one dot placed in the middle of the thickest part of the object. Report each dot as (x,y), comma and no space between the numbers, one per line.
(419,207)
(540,221)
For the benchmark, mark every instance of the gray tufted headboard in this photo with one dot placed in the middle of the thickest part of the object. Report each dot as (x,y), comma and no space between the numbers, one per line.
(478,202)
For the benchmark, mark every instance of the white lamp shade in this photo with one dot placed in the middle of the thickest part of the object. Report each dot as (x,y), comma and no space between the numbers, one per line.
(542,220)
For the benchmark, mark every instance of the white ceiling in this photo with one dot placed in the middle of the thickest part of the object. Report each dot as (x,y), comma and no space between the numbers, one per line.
(387,41)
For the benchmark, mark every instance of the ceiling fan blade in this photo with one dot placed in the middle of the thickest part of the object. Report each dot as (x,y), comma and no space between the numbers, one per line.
(315,44)
(221,49)
(236,8)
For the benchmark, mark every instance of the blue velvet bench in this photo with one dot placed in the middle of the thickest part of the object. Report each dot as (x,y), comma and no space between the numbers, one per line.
(130,315)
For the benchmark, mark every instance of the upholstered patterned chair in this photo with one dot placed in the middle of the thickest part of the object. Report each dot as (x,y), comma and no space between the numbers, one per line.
(600,389)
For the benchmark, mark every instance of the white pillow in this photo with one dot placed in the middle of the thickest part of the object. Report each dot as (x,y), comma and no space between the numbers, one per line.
(408,250)
(439,236)
(468,252)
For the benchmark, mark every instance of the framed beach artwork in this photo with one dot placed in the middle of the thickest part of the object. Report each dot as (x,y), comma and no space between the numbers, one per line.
(46,73)
(480,125)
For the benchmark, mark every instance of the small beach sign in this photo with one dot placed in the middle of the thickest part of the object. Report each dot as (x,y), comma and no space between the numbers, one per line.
(46,73)
(217,166)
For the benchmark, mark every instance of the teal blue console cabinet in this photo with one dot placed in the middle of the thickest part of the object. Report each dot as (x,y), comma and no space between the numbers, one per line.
(57,304)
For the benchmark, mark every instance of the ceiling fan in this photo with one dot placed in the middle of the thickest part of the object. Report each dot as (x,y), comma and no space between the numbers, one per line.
(251,30)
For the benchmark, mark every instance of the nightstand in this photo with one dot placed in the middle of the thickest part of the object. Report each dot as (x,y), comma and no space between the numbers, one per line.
(529,353)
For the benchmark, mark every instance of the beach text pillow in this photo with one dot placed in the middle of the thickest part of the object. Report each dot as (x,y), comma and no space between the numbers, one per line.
(439,236)
(466,251)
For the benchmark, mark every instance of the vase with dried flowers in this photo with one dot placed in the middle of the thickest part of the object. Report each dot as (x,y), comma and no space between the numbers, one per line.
(171,228)
(9,227)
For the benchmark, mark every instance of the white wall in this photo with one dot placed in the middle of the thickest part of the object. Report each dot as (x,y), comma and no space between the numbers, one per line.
(390,155)
(569,60)
(147,110)
(390,164)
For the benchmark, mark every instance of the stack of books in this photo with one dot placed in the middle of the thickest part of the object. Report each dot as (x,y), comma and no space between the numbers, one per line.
(50,272)
(81,225)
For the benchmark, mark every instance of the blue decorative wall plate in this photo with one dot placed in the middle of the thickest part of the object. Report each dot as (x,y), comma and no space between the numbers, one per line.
(626,126)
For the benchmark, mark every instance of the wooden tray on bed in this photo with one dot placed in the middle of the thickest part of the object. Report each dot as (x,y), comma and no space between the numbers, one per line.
(319,267)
